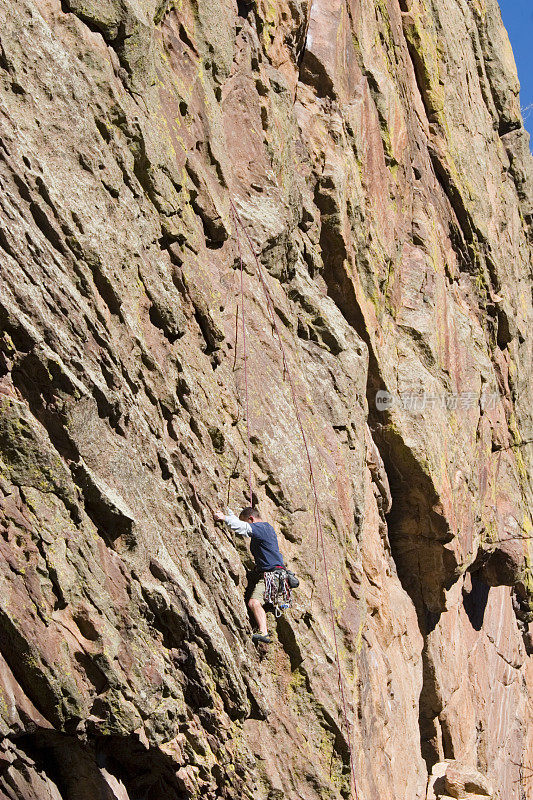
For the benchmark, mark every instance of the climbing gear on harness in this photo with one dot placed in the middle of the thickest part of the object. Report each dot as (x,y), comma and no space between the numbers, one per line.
(293,580)
(278,590)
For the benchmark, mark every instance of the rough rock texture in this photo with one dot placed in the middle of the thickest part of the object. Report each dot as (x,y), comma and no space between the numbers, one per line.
(375,153)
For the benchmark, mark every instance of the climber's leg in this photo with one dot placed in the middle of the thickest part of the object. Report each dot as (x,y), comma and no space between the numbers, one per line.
(255,604)
(256,607)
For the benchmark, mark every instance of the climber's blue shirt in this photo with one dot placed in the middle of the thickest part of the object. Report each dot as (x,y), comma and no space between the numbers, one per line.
(264,542)
(264,546)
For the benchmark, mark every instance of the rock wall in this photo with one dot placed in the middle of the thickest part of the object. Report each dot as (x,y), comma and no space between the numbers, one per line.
(375,153)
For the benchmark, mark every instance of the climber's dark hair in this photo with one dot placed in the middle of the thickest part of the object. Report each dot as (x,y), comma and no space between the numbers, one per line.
(248,512)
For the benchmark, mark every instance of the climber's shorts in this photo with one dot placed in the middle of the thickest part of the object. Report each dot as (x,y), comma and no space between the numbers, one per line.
(259,591)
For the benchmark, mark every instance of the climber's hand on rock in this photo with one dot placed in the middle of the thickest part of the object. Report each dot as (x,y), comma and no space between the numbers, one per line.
(218,516)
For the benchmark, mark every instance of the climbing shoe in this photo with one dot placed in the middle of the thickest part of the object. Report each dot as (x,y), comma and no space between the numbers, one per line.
(261,637)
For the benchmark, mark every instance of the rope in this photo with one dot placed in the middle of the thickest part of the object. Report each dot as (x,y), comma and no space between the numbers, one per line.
(245,359)
(318,523)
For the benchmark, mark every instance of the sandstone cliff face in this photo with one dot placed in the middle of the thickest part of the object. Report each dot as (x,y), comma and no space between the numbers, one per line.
(375,153)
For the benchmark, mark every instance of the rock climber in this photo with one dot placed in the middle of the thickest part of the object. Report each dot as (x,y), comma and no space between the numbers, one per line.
(265,550)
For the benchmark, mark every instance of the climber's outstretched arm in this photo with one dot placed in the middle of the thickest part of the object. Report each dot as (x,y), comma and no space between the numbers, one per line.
(236,524)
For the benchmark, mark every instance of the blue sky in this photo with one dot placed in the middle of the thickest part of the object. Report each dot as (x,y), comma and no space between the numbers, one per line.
(518,19)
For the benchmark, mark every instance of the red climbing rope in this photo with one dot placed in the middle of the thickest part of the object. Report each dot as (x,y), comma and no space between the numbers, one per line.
(245,360)
(318,524)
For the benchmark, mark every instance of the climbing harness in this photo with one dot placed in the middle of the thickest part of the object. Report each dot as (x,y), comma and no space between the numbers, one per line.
(318,524)
(278,590)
